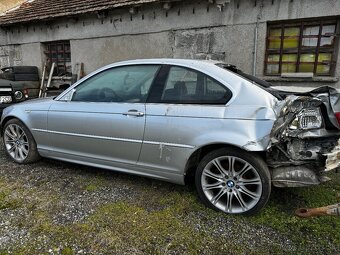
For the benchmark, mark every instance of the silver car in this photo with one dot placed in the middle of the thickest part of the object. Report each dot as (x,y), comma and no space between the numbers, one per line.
(181,120)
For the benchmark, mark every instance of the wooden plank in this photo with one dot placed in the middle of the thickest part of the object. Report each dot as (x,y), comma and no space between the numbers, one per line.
(49,78)
(42,80)
(80,71)
(61,78)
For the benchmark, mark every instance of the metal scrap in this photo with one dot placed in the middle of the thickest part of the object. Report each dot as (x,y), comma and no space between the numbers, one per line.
(320,211)
(333,159)
(297,176)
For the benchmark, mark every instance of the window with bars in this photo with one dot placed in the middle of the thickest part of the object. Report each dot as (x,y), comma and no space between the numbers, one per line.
(303,47)
(59,53)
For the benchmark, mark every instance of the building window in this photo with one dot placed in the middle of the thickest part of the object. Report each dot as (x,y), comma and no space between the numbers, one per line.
(59,53)
(303,47)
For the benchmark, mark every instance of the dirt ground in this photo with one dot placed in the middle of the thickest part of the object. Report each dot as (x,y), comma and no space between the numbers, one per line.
(53,207)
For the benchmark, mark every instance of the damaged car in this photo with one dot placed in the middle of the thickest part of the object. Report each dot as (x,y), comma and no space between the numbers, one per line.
(181,121)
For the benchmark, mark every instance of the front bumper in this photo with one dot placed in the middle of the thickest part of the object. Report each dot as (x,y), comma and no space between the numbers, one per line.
(2,107)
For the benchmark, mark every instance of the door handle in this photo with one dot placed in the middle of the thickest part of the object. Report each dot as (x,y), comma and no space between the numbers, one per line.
(134,113)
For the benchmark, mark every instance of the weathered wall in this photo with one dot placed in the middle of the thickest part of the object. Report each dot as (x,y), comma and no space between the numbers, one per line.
(32,54)
(102,51)
(10,55)
(193,29)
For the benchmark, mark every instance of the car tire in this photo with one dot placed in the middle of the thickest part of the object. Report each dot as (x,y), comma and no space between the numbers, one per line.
(233,181)
(7,76)
(26,77)
(25,69)
(19,143)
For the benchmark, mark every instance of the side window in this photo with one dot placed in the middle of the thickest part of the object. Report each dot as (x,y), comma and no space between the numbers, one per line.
(120,84)
(185,86)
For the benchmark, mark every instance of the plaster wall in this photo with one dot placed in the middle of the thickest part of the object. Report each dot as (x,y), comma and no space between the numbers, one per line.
(190,29)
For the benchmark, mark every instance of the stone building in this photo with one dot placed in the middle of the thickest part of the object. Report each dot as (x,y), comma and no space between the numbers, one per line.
(286,42)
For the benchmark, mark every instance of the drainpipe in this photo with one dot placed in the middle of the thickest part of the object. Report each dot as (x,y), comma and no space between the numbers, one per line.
(258,18)
(255,47)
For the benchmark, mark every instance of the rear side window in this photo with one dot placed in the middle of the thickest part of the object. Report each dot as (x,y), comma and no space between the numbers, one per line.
(186,86)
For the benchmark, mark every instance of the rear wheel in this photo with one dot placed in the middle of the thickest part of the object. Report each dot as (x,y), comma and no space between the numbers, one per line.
(19,143)
(233,181)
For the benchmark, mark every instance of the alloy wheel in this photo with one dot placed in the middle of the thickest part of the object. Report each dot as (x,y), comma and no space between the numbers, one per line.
(16,142)
(231,184)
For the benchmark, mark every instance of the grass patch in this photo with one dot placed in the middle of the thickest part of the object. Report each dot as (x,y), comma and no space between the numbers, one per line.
(158,232)
(95,183)
(8,200)
(91,188)
(279,214)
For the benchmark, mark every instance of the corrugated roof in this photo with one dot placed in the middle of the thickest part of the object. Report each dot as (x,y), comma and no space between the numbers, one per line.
(36,10)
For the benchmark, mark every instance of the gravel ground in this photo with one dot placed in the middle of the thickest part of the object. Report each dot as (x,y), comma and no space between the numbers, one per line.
(46,198)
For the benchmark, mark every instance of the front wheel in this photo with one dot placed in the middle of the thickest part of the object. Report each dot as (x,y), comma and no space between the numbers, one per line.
(233,181)
(19,143)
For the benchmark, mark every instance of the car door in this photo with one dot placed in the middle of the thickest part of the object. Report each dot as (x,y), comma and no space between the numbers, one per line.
(184,104)
(102,119)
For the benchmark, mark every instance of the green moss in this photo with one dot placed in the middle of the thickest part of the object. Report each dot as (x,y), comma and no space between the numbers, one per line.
(7,201)
(95,183)
(181,202)
(91,188)
(67,251)
(155,232)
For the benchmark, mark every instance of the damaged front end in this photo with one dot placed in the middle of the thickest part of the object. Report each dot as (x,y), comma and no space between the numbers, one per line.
(305,133)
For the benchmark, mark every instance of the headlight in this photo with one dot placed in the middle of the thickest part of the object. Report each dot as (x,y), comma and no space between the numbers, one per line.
(5,99)
(18,95)
(307,119)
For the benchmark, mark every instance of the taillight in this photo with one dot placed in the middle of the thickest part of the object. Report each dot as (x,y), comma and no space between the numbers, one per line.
(337,115)
(26,93)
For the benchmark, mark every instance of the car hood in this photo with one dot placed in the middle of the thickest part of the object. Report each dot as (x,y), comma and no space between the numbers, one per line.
(40,104)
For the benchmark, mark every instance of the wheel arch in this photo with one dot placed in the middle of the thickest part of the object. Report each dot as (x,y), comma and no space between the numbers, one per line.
(4,121)
(200,152)
(25,139)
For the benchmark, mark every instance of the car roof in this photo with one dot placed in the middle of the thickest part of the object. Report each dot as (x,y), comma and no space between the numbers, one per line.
(234,82)
(171,61)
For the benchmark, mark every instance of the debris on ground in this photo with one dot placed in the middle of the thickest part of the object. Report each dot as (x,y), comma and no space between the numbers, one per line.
(319,211)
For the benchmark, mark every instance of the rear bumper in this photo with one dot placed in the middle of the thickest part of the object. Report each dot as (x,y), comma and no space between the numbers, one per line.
(303,172)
